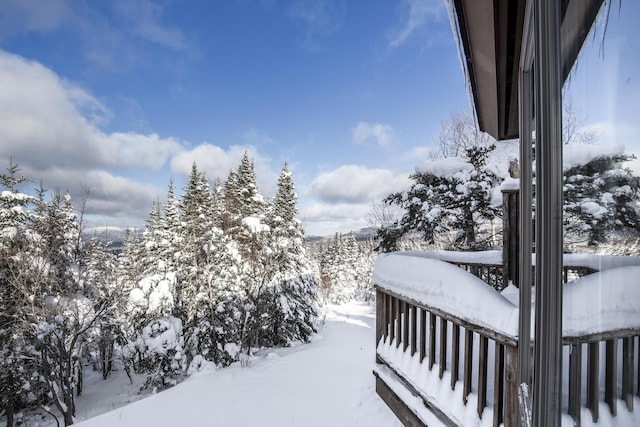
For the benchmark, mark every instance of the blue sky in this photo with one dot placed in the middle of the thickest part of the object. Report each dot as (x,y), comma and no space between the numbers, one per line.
(123,95)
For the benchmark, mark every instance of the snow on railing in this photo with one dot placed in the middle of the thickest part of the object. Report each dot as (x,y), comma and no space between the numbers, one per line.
(433,314)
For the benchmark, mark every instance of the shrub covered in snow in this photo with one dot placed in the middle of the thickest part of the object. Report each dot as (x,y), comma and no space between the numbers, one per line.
(159,352)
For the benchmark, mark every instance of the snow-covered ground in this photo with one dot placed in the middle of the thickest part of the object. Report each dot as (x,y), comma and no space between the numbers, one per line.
(328,382)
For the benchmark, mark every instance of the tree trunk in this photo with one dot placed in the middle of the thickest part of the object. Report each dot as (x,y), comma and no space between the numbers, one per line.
(10,412)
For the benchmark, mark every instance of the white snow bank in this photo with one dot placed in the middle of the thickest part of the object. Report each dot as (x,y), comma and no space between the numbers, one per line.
(594,261)
(600,262)
(327,382)
(605,301)
(446,287)
(449,167)
(510,184)
(479,257)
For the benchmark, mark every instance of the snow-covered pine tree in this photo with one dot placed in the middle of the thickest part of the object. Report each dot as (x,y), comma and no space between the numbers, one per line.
(219,205)
(19,370)
(251,201)
(156,340)
(449,195)
(102,286)
(231,216)
(153,295)
(130,270)
(244,221)
(339,267)
(600,197)
(209,277)
(196,236)
(362,257)
(289,302)
(170,241)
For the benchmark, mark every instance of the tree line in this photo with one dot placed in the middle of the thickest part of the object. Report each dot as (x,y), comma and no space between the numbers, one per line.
(214,275)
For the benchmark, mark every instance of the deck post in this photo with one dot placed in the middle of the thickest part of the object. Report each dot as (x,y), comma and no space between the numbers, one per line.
(510,237)
(526,228)
(547,383)
(511,407)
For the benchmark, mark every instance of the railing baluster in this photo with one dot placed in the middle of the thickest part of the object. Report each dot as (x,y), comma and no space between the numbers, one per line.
(498,386)
(468,364)
(412,312)
(398,310)
(575,382)
(405,327)
(392,319)
(455,354)
(482,374)
(443,346)
(611,375)
(389,311)
(627,372)
(423,334)
(432,340)
(380,316)
(593,383)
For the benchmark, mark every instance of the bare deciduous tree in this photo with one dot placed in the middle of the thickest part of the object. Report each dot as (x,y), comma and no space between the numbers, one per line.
(458,133)
(573,129)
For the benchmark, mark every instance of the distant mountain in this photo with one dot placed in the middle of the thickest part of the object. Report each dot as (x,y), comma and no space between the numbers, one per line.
(113,236)
(363,234)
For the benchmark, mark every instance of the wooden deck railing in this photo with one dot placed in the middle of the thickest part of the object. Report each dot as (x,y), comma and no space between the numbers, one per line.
(617,348)
(483,361)
(434,337)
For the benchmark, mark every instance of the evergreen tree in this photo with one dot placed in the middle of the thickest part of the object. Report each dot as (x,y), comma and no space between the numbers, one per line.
(209,276)
(219,205)
(170,229)
(156,305)
(18,373)
(289,302)
(250,199)
(449,195)
(153,293)
(601,197)
(105,290)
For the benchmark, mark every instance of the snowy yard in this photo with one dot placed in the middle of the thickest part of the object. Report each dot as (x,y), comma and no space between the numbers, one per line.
(328,382)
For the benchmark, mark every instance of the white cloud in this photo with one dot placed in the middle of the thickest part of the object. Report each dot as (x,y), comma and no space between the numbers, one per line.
(317,19)
(116,35)
(381,134)
(416,15)
(50,121)
(137,150)
(145,18)
(17,16)
(322,219)
(357,184)
(256,137)
(48,127)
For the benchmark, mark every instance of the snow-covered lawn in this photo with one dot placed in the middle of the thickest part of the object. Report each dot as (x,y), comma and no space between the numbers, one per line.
(328,382)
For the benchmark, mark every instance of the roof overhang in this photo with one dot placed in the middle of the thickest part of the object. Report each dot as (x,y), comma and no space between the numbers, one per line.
(490,36)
